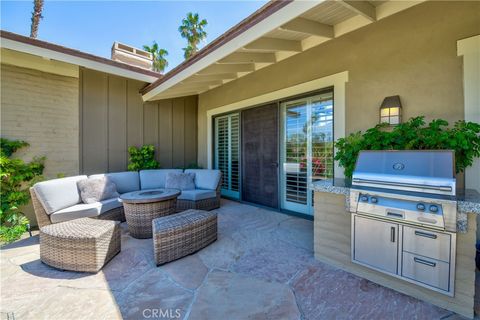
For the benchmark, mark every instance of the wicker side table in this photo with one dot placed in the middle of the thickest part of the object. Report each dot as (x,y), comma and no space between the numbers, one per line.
(182,234)
(141,207)
(84,244)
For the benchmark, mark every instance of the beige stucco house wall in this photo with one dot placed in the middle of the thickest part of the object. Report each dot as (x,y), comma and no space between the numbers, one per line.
(412,54)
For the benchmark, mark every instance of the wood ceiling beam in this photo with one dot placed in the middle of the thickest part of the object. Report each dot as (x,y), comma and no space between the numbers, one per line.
(362,8)
(172,94)
(191,87)
(228,68)
(309,27)
(204,83)
(210,77)
(272,44)
(249,57)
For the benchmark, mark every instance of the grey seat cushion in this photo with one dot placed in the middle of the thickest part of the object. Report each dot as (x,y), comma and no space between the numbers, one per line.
(197,194)
(84,210)
(97,189)
(58,194)
(126,181)
(181,181)
(206,179)
(155,179)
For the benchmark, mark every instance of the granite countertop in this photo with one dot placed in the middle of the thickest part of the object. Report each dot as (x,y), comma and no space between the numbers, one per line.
(468,201)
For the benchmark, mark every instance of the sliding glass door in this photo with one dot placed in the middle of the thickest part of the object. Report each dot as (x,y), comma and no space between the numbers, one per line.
(227,153)
(306,149)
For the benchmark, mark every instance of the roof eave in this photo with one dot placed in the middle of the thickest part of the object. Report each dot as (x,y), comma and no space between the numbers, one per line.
(269,17)
(52,51)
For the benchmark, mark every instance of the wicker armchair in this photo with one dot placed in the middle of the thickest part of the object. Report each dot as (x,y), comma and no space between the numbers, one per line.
(205,204)
(43,219)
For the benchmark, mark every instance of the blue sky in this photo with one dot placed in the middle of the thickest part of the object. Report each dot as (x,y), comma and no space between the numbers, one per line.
(93,26)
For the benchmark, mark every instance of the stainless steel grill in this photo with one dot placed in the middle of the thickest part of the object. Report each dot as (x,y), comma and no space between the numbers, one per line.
(416,187)
(404,216)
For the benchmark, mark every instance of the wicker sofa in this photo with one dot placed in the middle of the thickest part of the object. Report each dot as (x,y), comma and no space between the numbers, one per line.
(59,200)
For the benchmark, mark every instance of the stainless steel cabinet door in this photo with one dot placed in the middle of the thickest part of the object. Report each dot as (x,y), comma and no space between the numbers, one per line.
(376,244)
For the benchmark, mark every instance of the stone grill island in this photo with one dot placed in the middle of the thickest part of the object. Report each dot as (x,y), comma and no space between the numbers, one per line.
(333,245)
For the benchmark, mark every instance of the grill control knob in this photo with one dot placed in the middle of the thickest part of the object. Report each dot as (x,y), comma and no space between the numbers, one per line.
(373,199)
(433,208)
(420,206)
(364,198)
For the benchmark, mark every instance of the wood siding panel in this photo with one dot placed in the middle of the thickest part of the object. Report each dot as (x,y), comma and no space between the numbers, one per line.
(117,124)
(150,124)
(134,114)
(114,117)
(190,130)
(164,152)
(178,132)
(94,117)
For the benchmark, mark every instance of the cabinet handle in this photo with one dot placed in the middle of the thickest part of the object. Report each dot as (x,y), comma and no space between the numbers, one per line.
(425,262)
(395,215)
(425,234)
(392,234)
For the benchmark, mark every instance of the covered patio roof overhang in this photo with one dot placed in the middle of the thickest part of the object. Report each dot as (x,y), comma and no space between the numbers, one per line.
(277,31)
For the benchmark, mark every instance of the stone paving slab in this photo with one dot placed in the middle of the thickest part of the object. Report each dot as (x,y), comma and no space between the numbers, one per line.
(261,267)
(227,295)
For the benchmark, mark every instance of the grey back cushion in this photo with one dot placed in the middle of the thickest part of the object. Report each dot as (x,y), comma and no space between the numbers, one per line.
(182,181)
(126,181)
(206,179)
(155,179)
(58,194)
(97,189)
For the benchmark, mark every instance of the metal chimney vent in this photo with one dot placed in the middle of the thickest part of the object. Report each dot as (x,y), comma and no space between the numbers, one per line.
(132,56)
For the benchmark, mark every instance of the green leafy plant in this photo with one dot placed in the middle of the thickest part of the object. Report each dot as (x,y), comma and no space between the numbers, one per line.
(415,134)
(142,158)
(16,177)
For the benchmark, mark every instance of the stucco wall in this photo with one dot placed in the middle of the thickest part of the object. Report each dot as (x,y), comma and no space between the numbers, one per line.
(114,117)
(42,109)
(412,54)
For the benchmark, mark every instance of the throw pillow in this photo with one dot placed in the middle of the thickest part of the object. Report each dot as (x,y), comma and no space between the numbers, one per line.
(182,181)
(97,189)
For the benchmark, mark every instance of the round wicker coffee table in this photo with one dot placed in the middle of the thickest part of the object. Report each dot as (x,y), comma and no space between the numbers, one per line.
(141,207)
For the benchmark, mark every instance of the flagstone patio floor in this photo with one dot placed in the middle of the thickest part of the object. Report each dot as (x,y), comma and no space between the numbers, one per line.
(261,267)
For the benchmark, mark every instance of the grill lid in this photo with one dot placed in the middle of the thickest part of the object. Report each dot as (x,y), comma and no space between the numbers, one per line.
(410,170)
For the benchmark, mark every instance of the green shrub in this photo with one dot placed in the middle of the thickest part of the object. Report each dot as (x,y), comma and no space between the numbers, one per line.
(16,177)
(463,138)
(142,158)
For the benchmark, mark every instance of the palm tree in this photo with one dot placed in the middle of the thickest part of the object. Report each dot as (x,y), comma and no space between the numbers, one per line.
(192,29)
(159,60)
(36,16)
(188,52)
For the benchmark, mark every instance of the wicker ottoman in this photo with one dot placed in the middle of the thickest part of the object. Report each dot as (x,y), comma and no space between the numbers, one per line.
(181,234)
(80,245)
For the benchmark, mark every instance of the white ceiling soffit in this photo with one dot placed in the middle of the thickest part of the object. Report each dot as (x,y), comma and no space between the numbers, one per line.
(87,63)
(297,27)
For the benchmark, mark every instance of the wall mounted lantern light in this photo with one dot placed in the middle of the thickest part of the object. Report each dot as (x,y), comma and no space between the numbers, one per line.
(391,110)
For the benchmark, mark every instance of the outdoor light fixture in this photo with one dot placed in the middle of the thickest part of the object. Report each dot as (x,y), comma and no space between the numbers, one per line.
(391,110)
